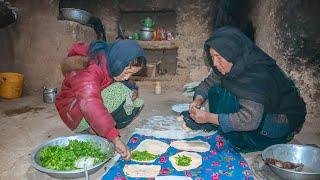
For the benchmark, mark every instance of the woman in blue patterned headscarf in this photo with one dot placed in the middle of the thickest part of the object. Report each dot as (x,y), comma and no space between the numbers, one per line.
(97,96)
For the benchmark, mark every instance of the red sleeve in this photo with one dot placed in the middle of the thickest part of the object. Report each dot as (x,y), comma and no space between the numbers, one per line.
(87,88)
(78,49)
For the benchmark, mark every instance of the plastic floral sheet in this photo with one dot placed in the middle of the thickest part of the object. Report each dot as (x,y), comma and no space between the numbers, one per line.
(220,162)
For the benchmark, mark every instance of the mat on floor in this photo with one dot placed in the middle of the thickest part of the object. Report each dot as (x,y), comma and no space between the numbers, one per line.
(220,162)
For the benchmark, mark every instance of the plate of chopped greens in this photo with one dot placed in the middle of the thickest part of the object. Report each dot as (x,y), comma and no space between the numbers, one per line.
(58,157)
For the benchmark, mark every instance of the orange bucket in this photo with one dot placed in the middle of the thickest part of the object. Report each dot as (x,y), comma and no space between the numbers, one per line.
(11,85)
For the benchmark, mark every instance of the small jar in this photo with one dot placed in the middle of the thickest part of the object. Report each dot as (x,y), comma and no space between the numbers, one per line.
(157,89)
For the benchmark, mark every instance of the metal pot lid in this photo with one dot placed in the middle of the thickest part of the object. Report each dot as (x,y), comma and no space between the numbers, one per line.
(48,90)
(146,29)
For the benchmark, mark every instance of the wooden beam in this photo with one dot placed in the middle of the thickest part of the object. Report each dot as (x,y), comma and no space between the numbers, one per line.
(158,45)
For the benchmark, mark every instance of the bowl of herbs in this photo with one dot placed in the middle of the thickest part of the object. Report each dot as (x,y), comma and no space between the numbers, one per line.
(58,157)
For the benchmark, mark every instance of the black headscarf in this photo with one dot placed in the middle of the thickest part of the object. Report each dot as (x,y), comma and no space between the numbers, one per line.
(255,75)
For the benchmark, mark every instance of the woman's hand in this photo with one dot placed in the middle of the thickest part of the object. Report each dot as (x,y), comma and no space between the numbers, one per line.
(202,117)
(121,148)
(135,95)
(197,103)
(198,115)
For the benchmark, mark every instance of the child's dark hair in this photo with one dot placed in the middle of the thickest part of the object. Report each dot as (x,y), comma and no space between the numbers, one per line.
(140,62)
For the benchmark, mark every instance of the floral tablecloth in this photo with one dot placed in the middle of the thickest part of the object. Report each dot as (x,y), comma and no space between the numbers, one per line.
(221,162)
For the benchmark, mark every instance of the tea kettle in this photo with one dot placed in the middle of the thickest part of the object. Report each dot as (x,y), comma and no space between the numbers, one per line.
(49,94)
(148,22)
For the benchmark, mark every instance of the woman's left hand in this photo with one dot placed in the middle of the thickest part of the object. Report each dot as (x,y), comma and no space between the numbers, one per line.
(199,115)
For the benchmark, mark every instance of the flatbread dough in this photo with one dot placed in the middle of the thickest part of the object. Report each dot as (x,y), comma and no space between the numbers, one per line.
(154,147)
(195,163)
(184,127)
(141,171)
(180,118)
(196,146)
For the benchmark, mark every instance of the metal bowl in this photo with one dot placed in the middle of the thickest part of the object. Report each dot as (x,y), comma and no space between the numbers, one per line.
(102,143)
(76,15)
(307,155)
(146,34)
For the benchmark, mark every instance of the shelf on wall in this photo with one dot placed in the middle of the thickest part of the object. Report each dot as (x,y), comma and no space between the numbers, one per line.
(158,45)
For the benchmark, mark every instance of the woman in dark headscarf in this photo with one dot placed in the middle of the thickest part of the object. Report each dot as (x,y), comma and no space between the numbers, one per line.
(97,96)
(251,100)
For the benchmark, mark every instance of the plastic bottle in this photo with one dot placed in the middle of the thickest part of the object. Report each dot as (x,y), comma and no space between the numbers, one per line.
(157,89)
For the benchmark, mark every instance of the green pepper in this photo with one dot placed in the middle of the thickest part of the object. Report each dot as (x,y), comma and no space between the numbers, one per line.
(64,157)
(183,160)
(143,156)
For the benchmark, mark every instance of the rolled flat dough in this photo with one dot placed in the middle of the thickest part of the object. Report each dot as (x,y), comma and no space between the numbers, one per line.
(184,127)
(180,118)
(196,146)
(195,157)
(141,171)
(154,147)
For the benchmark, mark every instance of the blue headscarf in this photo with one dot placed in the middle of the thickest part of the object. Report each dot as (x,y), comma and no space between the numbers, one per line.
(119,53)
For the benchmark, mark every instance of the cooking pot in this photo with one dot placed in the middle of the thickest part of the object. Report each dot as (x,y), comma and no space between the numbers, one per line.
(146,34)
(84,18)
(76,15)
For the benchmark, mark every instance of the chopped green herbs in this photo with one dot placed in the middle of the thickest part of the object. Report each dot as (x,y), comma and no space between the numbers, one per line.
(64,157)
(183,160)
(143,156)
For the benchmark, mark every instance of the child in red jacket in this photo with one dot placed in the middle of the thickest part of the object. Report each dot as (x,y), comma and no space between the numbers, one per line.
(80,101)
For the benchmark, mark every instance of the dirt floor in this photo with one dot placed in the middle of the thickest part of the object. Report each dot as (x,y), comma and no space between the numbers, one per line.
(28,122)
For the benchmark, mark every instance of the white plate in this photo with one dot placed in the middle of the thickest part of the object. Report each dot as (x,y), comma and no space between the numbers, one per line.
(178,108)
(191,85)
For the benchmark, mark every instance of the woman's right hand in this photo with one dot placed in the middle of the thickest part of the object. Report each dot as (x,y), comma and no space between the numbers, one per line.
(196,103)
(121,148)
(135,94)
